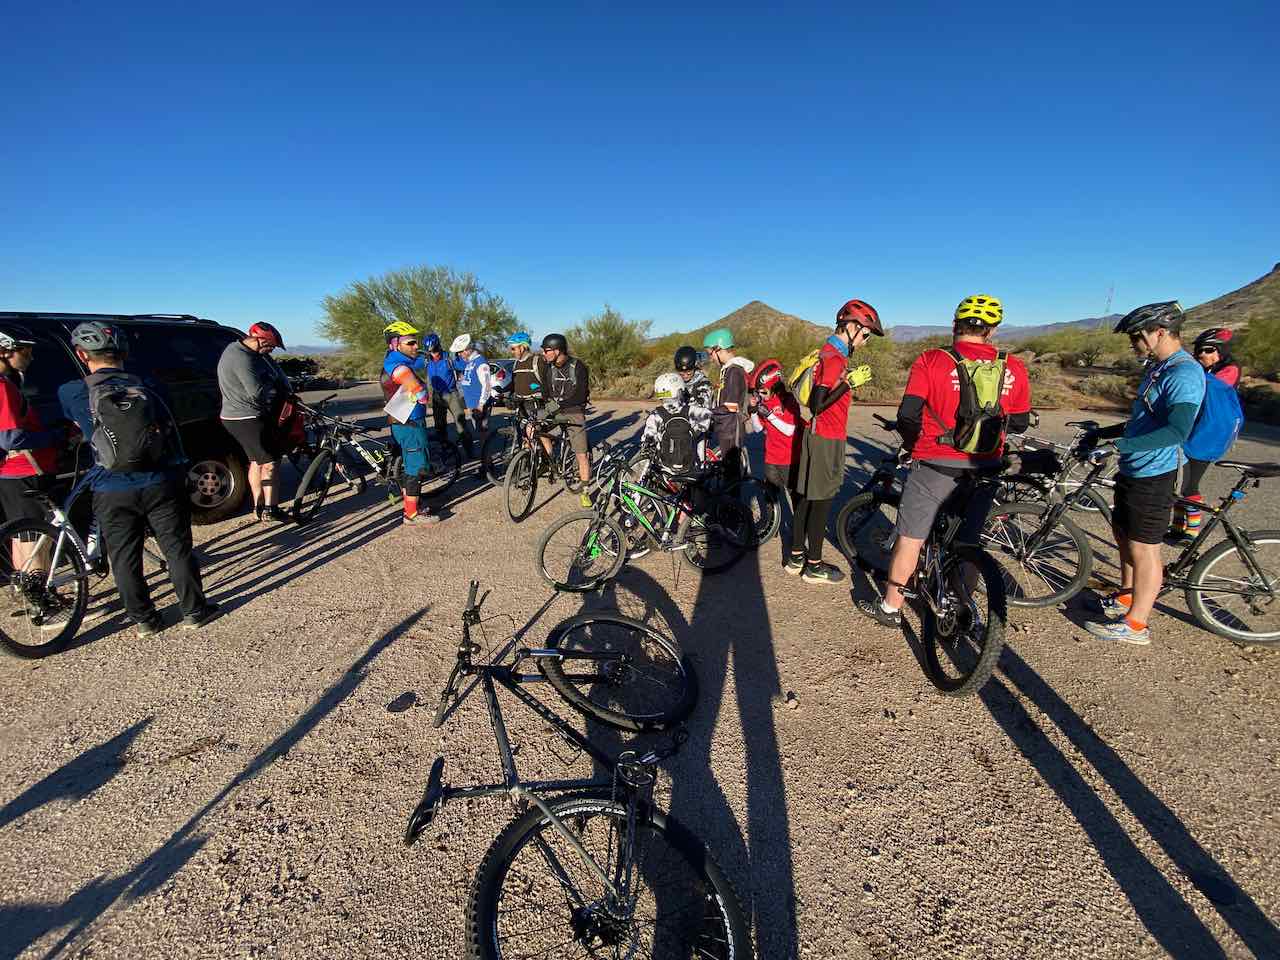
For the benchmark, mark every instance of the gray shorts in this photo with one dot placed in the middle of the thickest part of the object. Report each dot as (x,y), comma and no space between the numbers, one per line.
(925,492)
(575,428)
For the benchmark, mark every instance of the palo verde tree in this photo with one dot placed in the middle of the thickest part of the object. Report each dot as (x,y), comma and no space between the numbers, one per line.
(432,299)
(610,344)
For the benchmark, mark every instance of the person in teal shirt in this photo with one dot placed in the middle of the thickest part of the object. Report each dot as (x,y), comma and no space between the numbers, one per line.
(1149,444)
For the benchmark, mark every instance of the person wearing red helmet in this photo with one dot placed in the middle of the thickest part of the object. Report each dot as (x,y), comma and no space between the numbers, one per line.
(819,471)
(253,389)
(776,411)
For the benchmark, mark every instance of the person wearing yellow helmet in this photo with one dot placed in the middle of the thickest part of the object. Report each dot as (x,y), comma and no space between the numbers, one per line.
(404,370)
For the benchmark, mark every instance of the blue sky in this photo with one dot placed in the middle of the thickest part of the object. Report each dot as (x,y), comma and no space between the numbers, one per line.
(241,162)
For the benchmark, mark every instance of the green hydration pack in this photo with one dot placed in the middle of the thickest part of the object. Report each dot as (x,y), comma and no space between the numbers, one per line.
(980,420)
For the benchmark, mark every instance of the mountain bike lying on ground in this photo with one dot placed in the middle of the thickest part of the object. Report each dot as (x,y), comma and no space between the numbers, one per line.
(356,456)
(959,588)
(520,484)
(589,864)
(1232,588)
(584,549)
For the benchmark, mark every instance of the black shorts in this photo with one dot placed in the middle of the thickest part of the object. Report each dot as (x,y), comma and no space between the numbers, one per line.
(1143,506)
(14,501)
(253,437)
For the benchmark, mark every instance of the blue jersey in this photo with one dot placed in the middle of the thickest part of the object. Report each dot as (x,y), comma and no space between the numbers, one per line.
(1177,379)
(389,386)
(440,374)
(469,379)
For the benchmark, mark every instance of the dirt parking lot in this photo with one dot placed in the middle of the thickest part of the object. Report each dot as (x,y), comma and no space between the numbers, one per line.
(242,791)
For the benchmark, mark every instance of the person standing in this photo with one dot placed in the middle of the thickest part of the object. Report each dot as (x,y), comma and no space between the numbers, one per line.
(819,471)
(30,457)
(569,389)
(1149,444)
(136,477)
(402,369)
(729,412)
(253,389)
(776,411)
(445,398)
(475,380)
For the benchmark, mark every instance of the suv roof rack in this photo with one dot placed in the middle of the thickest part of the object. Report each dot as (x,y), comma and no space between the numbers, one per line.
(180,317)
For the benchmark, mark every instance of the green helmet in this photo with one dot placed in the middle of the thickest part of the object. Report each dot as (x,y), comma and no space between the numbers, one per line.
(721,337)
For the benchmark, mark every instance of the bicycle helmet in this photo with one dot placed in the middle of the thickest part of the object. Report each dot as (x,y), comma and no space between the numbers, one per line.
(861,313)
(1152,316)
(93,336)
(1214,339)
(13,337)
(518,338)
(767,375)
(667,386)
(721,338)
(555,341)
(686,358)
(980,310)
(397,329)
(460,343)
(431,342)
(267,333)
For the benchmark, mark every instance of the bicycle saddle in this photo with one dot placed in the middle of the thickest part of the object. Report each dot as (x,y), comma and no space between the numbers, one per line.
(1083,424)
(1252,469)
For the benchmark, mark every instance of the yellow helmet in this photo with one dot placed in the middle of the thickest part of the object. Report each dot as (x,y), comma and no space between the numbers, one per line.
(981,309)
(398,328)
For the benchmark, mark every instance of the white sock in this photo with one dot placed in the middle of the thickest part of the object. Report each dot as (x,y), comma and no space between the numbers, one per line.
(884,606)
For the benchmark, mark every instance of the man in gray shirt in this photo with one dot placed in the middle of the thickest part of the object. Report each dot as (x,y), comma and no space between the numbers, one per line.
(252,389)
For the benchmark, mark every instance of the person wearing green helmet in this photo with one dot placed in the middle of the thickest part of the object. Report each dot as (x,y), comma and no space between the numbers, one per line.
(729,410)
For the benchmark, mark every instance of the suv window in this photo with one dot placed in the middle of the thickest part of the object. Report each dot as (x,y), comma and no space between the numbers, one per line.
(52,365)
(176,355)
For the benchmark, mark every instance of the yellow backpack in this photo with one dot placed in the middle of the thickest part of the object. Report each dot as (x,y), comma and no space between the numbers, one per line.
(801,380)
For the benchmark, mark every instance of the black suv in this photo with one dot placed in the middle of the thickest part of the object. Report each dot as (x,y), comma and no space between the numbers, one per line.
(177,350)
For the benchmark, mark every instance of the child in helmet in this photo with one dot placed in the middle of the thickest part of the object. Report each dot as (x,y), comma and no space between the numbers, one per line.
(673,391)
(777,412)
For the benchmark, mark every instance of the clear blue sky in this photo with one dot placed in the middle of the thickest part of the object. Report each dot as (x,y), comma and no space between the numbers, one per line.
(242,162)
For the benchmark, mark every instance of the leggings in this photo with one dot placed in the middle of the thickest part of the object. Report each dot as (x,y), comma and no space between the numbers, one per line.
(809,524)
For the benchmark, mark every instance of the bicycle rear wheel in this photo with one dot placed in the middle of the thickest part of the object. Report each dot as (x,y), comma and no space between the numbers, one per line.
(444,470)
(761,500)
(496,452)
(1053,571)
(535,896)
(866,528)
(42,602)
(520,485)
(1253,617)
(580,551)
(716,538)
(633,678)
(313,487)
(569,466)
(962,646)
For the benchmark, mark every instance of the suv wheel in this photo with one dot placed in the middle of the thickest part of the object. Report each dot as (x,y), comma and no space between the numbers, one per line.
(217,484)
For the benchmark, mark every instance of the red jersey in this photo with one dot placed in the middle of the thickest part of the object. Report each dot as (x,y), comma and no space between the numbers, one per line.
(1228,373)
(833,422)
(16,415)
(933,378)
(780,449)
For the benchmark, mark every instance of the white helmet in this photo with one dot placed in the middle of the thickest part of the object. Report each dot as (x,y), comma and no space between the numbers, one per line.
(460,343)
(667,386)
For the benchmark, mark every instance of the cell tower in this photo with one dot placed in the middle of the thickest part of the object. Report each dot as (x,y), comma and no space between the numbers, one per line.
(1111,293)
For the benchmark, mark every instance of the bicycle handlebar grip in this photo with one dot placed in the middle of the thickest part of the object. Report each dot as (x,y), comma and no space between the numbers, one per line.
(471,597)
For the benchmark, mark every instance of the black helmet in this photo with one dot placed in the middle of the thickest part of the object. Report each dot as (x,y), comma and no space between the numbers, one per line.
(686,358)
(1217,338)
(555,341)
(93,336)
(1167,314)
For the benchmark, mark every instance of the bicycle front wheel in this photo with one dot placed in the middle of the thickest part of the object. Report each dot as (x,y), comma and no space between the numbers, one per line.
(714,540)
(866,529)
(761,500)
(580,551)
(1249,613)
(520,485)
(962,645)
(496,452)
(313,487)
(535,895)
(43,598)
(1053,571)
(620,671)
(569,467)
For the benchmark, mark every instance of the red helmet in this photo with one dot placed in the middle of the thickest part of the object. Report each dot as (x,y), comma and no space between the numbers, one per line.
(862,313)
(767,375)
(267,334)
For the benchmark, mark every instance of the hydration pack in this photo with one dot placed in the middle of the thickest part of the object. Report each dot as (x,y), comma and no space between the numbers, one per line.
(676,447)
(1217,424)
(129,427)
(980,420)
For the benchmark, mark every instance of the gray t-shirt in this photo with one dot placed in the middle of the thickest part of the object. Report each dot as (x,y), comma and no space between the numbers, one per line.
(249,382)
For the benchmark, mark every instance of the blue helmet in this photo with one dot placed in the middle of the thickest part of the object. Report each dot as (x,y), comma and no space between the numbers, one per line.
(431,342)
(519,337)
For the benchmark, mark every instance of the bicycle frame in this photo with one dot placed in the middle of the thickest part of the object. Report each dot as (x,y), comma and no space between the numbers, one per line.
(60,519)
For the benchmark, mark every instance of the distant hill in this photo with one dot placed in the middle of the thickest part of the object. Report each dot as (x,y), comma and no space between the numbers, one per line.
(1235,309)
(906,333)
(312,350)
(755,323)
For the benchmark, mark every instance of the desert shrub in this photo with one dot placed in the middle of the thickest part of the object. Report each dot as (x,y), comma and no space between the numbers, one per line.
(1079,347)
(1107,387)
(1261,403)
(1259,348)
(610,345)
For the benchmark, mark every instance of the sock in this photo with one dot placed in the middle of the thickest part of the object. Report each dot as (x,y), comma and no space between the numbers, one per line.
(884,606)
(1193,515)
(1135,624)
(1124,599)
(410,507)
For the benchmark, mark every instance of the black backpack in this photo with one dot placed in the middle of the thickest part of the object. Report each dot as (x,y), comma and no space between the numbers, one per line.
(129,424)
(676,449)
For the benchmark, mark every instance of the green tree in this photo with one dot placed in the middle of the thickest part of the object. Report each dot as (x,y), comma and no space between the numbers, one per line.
(433,299)
(1259,348)
(609,344)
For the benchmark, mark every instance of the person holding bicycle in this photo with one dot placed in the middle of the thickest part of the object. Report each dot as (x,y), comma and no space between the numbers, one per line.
(958,406)
(253,389)
(819,471)
(569,389)
(1149,444)
(445,397)
(30,453)
(402,369)
(528,374)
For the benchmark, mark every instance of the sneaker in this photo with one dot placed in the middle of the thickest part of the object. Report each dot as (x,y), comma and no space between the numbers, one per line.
(150,626)
(274,514)
(821,573)
(584,499)
(794,564)
(877,613)
(1113,610)
(422,517)
(198,619)
(1178,538)
(1119,630)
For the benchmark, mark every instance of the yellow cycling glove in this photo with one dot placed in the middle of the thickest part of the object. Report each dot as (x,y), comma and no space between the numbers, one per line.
(858,376)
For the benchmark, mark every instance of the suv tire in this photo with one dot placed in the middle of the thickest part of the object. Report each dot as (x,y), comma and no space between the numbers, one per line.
(217,483)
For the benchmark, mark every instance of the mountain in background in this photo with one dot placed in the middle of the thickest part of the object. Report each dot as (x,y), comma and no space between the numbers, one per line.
(756,323)
(906,333)
(312,349)
(1235,309)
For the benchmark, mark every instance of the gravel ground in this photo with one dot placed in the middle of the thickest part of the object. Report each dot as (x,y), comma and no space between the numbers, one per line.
(242,791)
